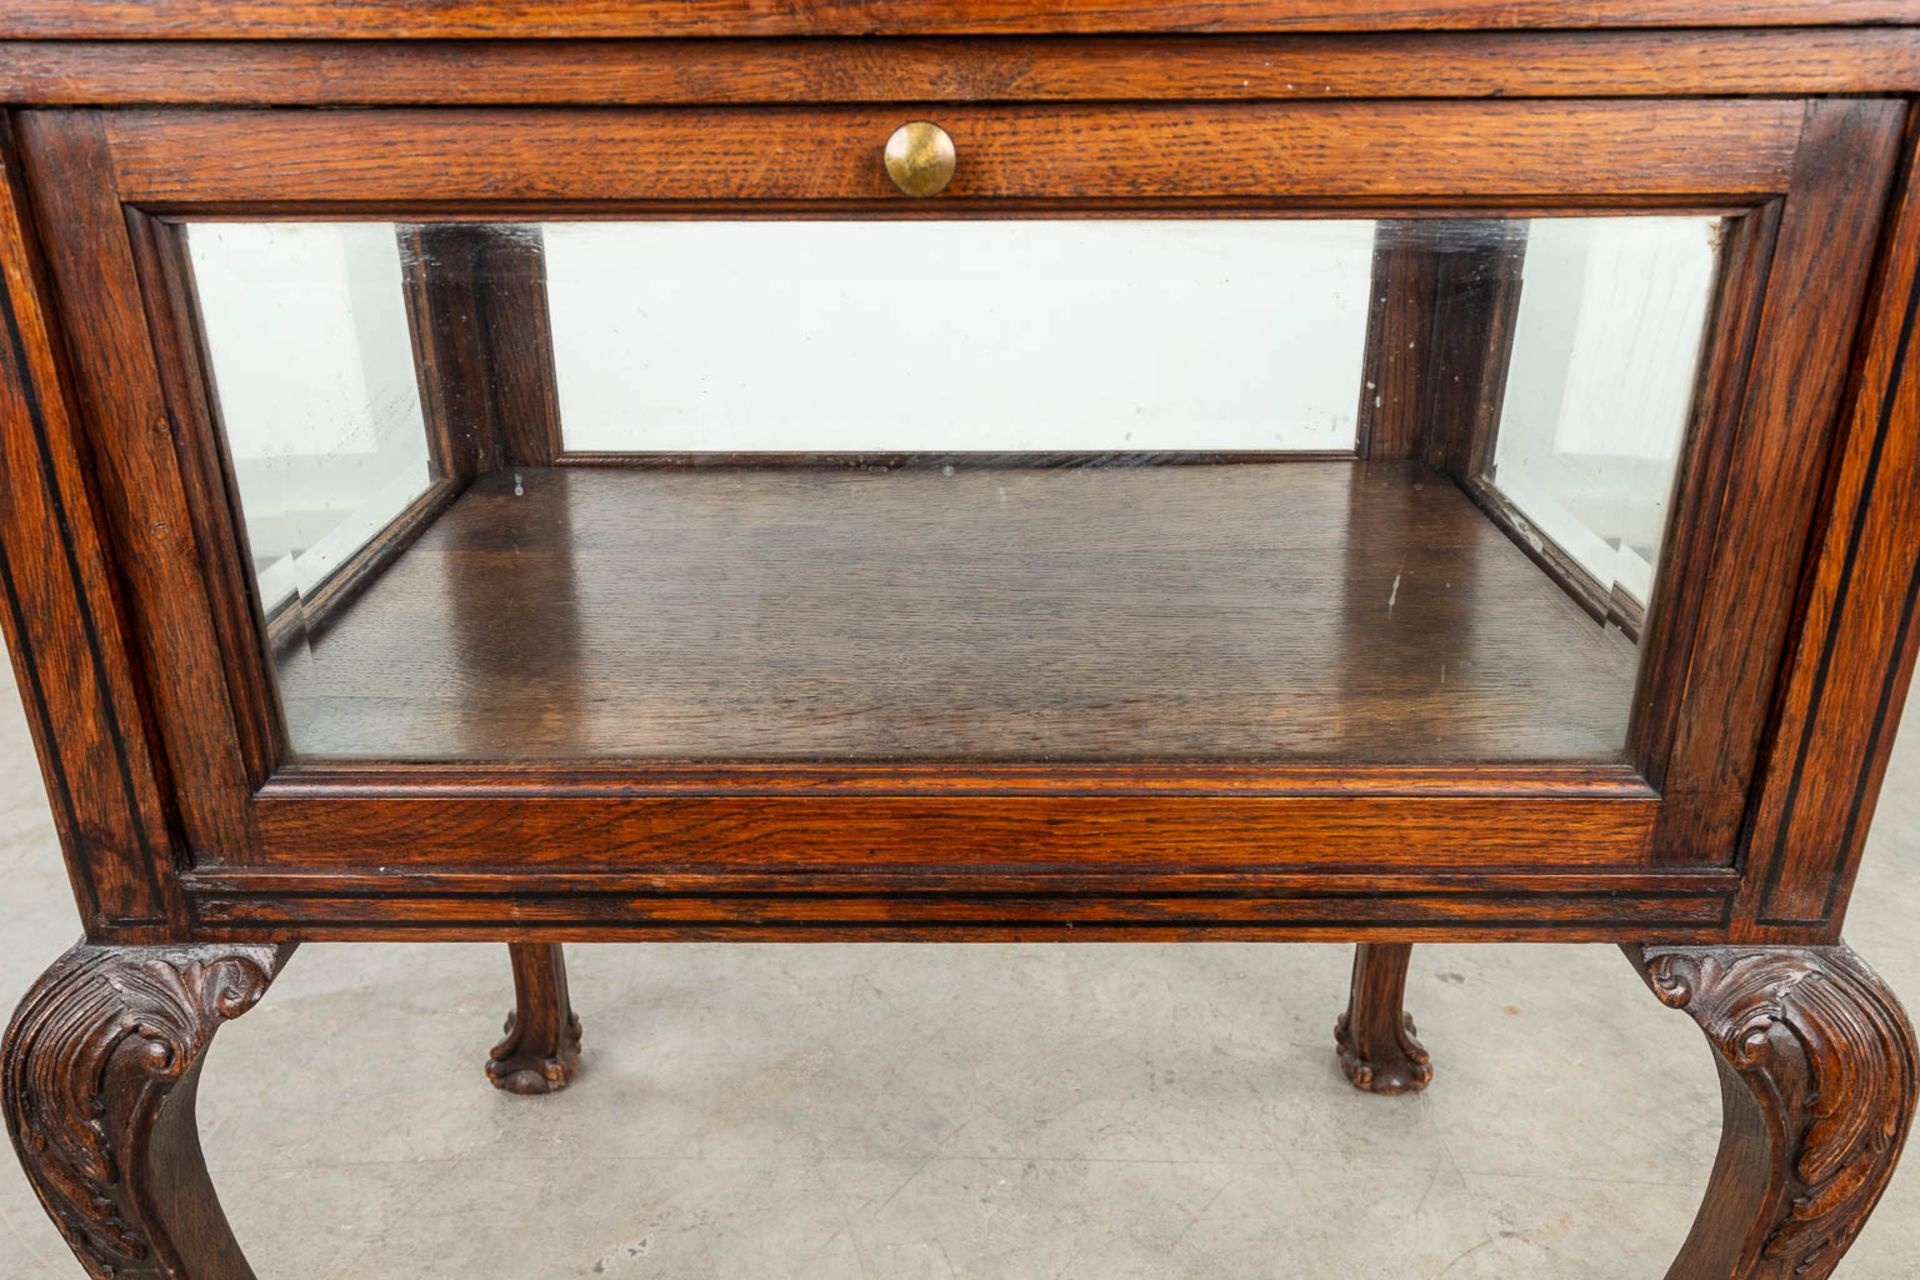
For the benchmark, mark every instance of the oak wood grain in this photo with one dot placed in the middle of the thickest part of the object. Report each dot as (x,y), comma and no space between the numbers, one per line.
(1856,651)
(1671,622)
(1440,320)
(483,345)
(1817,282)
(290,885)
(815,835)
(1055,908)
(853,902)
(279,19)
(207,475)
(1328,928)
(1615,150)
(1562,64)
(138,472)
(64,622)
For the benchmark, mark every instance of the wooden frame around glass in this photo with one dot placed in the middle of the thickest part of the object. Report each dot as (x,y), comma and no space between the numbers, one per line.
(1803,177)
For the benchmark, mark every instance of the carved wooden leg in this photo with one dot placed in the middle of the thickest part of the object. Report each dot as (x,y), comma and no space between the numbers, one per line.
(542,1048)
(101,1064)
(1376,1035)
(1817,1077)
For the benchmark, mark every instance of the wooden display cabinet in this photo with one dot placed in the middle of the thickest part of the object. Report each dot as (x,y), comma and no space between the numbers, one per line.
(938,471)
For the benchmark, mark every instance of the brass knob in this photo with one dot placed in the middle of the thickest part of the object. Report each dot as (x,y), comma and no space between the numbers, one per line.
(920,158)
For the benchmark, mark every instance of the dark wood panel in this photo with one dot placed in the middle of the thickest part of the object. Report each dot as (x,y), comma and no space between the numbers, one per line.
(64,624)
(1856,654)
(1476,304)
(226,19)
(1394,363)
(1439,335)
(1059,910)
(1516,929)
(636,73)
(1519,150)
(483,345)
(957,904)
(1818,278)
(1285,611)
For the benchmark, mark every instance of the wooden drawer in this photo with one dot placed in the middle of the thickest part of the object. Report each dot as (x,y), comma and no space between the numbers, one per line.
(1389,152)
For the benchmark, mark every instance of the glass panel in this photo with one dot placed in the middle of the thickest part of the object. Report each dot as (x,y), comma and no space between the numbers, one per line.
(848,337)
(1605,350)
(1050,490)
(306,332)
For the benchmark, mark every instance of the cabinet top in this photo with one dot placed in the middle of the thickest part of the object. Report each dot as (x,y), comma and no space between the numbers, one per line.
(541,19)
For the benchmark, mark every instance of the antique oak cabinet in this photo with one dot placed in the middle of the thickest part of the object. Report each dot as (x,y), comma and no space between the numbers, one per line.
(938,470)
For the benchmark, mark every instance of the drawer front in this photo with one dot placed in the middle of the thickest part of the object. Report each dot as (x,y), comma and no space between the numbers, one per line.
(1386,152)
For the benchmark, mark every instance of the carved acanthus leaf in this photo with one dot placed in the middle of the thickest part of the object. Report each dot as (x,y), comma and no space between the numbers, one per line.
(92,1052)
(1829,1057)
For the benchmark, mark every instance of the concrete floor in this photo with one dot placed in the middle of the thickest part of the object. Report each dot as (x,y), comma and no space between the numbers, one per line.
(895,1112)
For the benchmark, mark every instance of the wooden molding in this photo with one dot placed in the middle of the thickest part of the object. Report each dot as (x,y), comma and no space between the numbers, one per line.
(529,19)
(1532,64)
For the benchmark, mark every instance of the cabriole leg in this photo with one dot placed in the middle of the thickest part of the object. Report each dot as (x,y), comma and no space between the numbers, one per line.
(542,1046)
(1375,1035)
(102,1062)
(1817,1078)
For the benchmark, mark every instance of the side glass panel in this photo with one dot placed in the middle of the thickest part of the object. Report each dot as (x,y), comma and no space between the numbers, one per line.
(1233,489)
(1605,351)
(306,332)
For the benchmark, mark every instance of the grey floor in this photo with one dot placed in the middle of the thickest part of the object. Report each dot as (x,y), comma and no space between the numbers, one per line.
(895,1112)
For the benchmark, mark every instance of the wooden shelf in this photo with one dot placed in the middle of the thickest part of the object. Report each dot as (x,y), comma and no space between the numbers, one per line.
(1296,611)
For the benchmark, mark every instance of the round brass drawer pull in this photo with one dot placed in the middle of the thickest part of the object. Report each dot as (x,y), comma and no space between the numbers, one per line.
(920,158)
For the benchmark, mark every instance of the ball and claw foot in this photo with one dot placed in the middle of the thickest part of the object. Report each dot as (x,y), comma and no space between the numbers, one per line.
(1405,1068)
(513,1070)
(1379,1051)
(541,1051)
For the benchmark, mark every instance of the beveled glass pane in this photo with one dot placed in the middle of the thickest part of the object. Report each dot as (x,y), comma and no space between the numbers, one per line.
(1605,352)
(306,332)
(1075,489)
